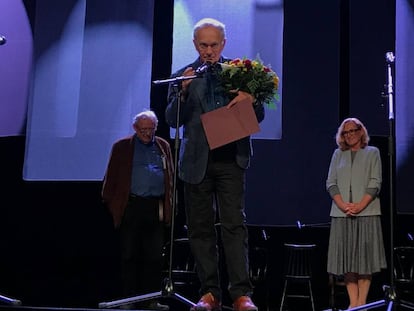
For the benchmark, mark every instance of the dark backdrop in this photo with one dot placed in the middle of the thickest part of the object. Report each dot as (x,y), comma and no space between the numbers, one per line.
(57,241)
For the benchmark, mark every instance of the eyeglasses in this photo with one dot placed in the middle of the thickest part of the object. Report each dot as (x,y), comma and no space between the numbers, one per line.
(349,132)
(214,46)
(145,130)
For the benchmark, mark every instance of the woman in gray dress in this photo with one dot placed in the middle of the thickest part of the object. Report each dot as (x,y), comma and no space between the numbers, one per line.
(356,248)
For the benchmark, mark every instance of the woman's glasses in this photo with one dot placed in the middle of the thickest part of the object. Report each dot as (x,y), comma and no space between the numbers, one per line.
(349,132)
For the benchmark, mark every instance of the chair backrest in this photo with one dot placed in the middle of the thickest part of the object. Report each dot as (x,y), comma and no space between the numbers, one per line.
(404,264)
(258,264)
(182,259)
(298,260)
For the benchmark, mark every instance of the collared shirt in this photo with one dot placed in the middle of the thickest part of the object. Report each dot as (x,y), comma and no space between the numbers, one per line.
(147,170)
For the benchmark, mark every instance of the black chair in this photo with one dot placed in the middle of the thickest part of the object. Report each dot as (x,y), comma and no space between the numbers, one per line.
(258,264)
(404,271)
(298,271)
(183,268)
(258,267)
(337,289)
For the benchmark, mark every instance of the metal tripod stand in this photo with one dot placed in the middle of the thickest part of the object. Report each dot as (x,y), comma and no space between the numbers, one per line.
(391,299)
(10,301)
(168,284)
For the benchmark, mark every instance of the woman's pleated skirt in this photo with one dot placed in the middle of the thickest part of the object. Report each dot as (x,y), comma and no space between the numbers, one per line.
(356,245)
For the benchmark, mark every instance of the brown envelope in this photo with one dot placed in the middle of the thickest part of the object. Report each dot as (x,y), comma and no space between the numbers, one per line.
(223,125)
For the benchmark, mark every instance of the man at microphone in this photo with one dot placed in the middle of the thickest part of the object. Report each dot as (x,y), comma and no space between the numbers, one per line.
(213,179)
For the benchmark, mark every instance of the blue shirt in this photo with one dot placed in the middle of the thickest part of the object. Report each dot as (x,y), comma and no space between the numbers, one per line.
(147,170)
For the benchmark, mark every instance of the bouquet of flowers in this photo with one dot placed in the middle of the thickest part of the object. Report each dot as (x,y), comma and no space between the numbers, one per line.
(251,76)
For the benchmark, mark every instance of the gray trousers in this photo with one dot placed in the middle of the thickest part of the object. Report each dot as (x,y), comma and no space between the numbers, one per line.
(224,181)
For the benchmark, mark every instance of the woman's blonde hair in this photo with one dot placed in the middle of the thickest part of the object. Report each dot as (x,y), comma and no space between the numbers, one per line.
(340,140)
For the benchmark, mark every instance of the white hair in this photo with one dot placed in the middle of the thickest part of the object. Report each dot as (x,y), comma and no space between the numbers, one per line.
(205,22)
(146,114)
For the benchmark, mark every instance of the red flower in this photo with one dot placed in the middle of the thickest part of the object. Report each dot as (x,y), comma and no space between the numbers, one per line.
(252,77)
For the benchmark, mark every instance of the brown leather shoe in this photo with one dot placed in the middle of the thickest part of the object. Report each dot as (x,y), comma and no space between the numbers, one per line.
(244,303)
(207,303)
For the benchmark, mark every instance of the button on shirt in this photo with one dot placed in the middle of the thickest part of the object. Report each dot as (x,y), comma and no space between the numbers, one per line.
(147,170)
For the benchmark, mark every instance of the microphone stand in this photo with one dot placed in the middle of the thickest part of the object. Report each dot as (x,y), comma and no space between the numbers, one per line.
(168,284)
(5,299)
(10,301)
(391,295)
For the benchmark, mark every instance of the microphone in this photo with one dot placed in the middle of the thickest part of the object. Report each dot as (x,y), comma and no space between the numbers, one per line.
(389,56)
(264,235)
(301,225)
(2,40)
(203,68)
